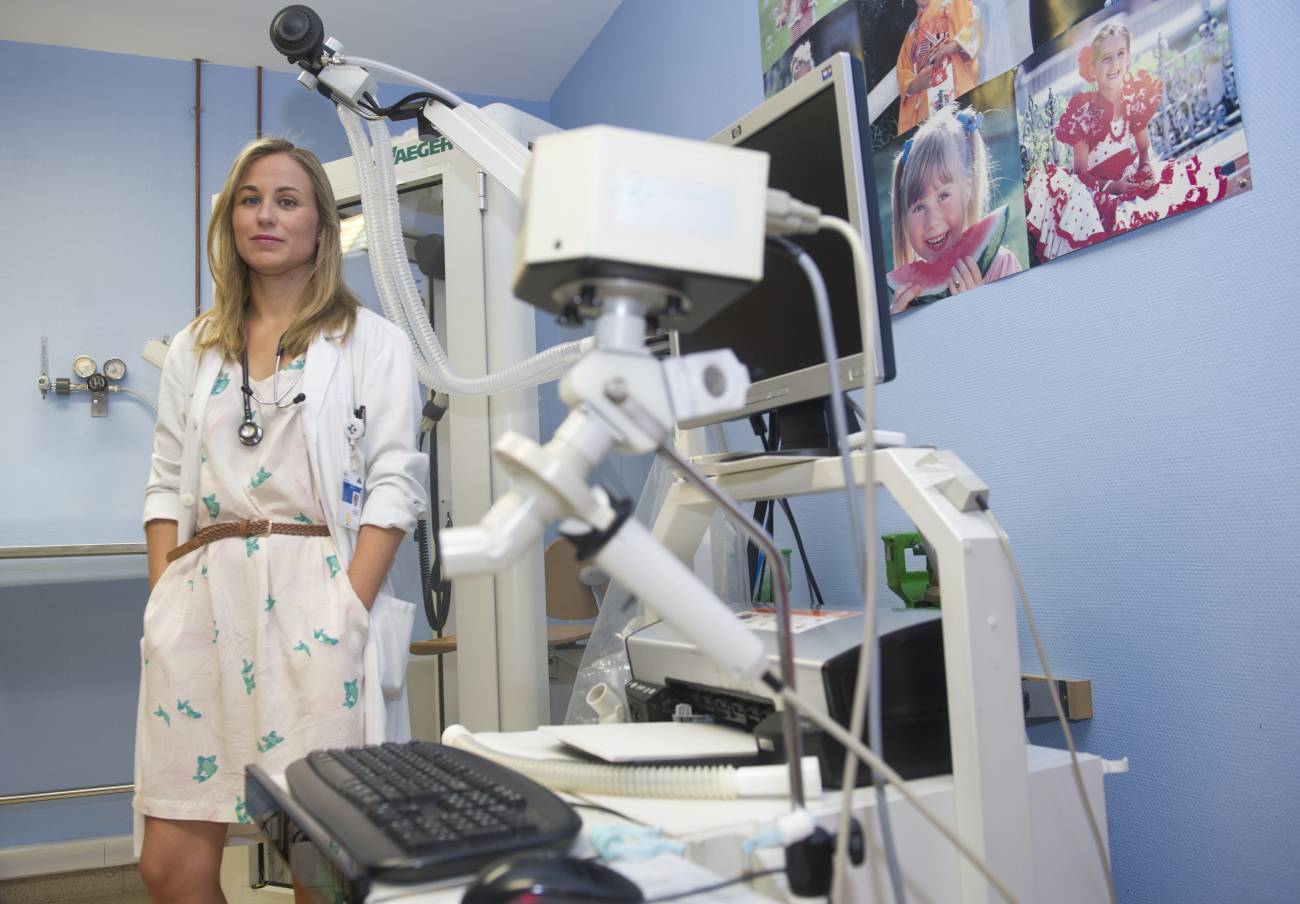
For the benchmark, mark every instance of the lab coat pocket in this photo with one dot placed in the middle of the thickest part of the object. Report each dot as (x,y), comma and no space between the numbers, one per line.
(391,620)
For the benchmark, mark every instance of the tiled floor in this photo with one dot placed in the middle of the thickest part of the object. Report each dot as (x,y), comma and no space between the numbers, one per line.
(122,885)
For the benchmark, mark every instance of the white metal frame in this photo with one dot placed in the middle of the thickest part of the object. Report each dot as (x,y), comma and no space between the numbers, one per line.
(981,653)
(500,623)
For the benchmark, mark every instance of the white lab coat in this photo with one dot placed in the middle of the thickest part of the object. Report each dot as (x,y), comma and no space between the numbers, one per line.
(373,367)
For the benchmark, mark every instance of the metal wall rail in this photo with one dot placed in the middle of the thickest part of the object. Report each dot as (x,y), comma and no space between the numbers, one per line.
(73,549)
(38,797)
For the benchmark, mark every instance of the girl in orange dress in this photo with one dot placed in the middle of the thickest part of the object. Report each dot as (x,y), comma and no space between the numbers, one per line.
(938,61)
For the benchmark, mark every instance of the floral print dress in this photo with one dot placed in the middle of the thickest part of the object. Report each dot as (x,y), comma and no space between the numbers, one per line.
(252,648)
(1067,210)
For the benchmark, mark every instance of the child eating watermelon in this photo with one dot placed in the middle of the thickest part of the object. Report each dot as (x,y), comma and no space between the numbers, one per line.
(945,239)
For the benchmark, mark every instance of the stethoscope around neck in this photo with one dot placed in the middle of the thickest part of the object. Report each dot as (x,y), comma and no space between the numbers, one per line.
(250,432)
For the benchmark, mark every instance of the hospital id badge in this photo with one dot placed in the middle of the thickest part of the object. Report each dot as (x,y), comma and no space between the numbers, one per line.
(350,502)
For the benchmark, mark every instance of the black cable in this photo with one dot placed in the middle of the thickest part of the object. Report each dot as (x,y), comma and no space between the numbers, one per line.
(744,877)
(798,541)
(763,515)
(399,110)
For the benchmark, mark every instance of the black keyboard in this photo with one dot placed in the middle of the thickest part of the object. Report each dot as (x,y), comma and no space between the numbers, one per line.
(420,811)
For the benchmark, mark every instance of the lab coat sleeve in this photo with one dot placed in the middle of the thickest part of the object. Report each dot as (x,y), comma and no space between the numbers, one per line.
(394,490)
(162,492)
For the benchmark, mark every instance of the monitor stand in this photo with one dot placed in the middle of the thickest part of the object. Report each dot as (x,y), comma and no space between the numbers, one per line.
(806,430)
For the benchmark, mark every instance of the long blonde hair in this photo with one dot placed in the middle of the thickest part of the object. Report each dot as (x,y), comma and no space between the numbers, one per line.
(327,304)
(948,146)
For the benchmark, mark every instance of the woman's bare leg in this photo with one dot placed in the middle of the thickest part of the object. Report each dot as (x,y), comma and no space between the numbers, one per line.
(180,860)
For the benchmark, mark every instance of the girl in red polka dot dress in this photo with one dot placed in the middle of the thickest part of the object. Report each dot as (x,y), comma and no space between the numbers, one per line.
(1115,185)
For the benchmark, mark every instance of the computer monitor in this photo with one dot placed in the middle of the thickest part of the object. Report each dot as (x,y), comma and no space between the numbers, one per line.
(818,136)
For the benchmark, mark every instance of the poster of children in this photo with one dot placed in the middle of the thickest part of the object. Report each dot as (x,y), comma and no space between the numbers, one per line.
(1049,18)
(919,55)
(1127,118)
(951,199)
(805,32)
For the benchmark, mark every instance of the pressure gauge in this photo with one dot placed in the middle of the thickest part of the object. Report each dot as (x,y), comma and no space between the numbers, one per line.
(115,368)
(83,366)
(96,382)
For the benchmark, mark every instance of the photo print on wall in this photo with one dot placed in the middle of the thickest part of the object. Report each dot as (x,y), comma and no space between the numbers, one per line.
(1085,120)
(951,199)
(1127,118)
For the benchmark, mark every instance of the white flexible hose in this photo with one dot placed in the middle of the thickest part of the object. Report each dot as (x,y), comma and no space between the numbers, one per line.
(375,230)
(398,294)
(683,782)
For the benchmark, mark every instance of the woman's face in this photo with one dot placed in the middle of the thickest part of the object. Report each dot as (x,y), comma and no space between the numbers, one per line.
(1110,62)
(936,220)
(274,217)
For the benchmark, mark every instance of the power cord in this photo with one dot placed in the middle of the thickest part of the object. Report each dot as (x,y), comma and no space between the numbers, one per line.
(436,590)
(1093,825)
(867,684)
(758,424)
(745,877)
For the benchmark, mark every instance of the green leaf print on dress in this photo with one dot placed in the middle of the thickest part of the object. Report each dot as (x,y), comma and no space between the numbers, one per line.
(303,648)
(206,769)
(241,811)
(251,546)
(247,674)
(350,693)
(270,603)
(214,507)
(259,478)
(183,706)
(215,630)
(322,637)
(163,713)
(302,519)
(203,571)
(268,741)
(299,364)
(333,563)
(220,383)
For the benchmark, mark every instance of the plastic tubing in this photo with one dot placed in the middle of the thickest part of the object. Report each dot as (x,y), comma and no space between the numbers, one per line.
(690,782)
(547,365)
(398,294)
(375,224)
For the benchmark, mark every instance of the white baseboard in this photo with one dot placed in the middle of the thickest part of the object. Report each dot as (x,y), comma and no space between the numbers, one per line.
(65,856)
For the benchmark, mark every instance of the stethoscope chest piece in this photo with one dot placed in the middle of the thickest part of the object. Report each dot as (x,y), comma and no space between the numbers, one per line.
(250,433)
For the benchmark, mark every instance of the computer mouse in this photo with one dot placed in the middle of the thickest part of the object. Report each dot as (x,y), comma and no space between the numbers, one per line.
(551,878)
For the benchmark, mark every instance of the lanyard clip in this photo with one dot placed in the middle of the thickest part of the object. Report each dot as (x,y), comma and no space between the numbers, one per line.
(357,425)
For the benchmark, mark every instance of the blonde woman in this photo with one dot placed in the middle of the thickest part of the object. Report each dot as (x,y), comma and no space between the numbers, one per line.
(274,507)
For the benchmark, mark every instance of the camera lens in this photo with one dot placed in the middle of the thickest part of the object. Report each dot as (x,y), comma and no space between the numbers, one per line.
(298,33)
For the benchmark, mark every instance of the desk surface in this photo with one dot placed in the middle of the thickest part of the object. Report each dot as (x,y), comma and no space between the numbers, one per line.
(713,831)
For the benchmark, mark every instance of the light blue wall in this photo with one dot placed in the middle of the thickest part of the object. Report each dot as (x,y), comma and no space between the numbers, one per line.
(97,253)
(1134,410)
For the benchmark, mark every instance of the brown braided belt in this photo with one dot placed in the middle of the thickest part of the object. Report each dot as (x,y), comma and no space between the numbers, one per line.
(258,527)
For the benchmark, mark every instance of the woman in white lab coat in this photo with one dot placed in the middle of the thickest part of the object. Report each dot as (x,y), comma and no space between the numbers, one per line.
(268,631)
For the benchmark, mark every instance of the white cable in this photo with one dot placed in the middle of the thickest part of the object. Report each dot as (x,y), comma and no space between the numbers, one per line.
(854,744)
(1056,702)
(377,66)
(827,329)
(139,395)
(866,685)
(400,297)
